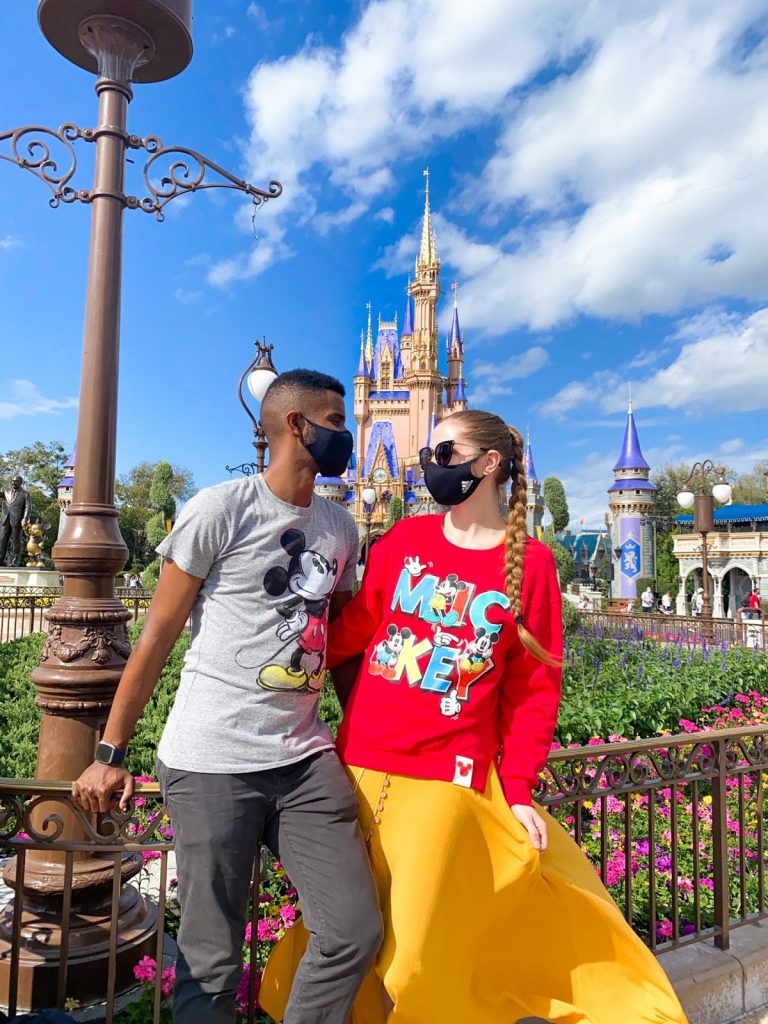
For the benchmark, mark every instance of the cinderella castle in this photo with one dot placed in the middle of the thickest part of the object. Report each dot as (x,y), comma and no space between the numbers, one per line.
(400,393)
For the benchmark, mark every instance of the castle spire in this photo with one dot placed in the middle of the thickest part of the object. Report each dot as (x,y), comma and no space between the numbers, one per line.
(631,456)
(530,469)
(362,366)
(408,319)
(369,340)
(428,252)
(455,345)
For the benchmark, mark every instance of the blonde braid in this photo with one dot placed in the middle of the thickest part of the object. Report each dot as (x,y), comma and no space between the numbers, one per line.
(516,539)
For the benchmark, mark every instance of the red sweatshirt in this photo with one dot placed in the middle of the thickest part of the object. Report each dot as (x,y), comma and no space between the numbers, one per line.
(445,684)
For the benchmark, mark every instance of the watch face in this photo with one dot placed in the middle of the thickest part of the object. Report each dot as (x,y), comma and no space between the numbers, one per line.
(379,475)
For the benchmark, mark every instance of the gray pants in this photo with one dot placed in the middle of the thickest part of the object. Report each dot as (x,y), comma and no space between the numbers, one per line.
(306,813)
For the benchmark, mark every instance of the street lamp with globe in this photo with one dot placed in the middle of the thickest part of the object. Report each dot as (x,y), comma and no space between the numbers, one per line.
(370,496)
(257,377)
(702,503)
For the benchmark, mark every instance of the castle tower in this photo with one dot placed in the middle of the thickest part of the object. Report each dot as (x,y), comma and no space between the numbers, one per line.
(631,500)
(455,393)
(66,488)
(534,501)
(423,378)
(362,386)
(406,338)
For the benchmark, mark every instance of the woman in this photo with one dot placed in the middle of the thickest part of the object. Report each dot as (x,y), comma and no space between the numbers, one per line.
(491,911)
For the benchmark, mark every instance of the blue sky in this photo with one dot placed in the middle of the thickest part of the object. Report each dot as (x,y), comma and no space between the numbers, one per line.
(600,189)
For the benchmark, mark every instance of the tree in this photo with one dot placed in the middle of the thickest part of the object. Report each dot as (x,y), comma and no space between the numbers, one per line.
(752,488)
(395,511)
(162,501)
(563,559)
(556,502)
(136,506)
(667,566)
(41,466)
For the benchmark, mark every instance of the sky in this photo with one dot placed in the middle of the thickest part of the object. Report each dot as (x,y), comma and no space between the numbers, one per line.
(599,184)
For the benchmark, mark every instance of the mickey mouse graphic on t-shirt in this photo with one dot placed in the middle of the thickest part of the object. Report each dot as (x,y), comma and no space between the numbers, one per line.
(307,583)
(387,651)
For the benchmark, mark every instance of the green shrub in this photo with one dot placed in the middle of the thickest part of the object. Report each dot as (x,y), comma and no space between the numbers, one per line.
(18,712)
(571,618)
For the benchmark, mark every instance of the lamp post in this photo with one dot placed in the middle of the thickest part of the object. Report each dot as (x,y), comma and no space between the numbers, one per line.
(121,41)
(257,376)
(702,503)
(370,496)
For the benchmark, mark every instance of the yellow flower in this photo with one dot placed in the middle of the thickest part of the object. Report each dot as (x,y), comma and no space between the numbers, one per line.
(706,800)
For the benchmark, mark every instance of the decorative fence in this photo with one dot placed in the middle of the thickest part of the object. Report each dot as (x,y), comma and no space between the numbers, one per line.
(688,628)
(674,825)
(22,609)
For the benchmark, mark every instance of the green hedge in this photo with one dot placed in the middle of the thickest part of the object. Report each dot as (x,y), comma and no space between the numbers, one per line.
(618,684)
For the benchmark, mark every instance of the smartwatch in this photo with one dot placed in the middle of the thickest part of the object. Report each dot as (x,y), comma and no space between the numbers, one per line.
(108,753)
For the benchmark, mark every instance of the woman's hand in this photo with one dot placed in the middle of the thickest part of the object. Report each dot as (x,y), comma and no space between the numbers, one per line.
(535,825)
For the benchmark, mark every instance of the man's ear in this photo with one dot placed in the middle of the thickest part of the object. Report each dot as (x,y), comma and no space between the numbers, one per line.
(296,425)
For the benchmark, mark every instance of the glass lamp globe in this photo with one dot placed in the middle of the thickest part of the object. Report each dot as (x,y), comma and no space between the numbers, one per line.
(369,496)
(686,499)
(722,492)
(258,382)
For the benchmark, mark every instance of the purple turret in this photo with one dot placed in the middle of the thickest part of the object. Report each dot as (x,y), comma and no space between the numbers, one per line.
(459,395)
(362,366)
(408,319)
(455,343)
(530,469)
(631,456)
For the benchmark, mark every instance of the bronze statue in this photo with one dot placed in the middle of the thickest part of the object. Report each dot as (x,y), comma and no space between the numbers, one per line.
(17,509)
(35,533)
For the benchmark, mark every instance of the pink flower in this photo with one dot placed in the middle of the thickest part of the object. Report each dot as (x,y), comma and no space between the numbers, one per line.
(145,971)
(149,855)
(243,987)
(167,981)
(288,915)
(664,929)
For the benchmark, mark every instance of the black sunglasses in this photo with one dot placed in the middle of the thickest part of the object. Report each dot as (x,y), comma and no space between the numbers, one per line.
(442,454)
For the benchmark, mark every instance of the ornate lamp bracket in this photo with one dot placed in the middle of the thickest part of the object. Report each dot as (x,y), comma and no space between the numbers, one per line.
(30,149)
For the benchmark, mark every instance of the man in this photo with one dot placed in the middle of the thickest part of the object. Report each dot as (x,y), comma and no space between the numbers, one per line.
(647,600)
(260,562)
(754,604)
(18,510)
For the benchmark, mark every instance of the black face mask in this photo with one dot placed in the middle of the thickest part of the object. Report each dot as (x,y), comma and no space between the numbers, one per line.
(450,485)
(331,449)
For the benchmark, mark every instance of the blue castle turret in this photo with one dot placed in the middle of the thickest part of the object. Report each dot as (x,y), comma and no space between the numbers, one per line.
(631,500)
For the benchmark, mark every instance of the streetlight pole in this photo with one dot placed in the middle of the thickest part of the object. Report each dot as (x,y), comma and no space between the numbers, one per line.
(86,647)
(702,502)
(370,496)
(257,376)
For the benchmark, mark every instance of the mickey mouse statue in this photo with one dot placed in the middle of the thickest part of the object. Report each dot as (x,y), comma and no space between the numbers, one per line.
(308,581)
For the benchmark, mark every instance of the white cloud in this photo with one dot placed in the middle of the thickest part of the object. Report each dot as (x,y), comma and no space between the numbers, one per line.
(187,296)
(26,399)
(386,213)
(721,365)
(630,141)
(9,242)
(521,365)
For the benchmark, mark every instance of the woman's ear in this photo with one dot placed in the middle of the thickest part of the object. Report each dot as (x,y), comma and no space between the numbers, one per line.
(492,460)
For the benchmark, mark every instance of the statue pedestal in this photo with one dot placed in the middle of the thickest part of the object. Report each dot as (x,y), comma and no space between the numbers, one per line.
(23,577)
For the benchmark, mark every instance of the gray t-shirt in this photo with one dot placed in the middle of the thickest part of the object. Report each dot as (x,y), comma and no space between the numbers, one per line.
(249,690)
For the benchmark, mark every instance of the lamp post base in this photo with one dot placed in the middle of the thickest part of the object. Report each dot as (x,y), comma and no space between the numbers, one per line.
(87,943)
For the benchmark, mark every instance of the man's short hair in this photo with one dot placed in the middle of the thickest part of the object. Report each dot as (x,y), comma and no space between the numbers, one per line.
(304,380)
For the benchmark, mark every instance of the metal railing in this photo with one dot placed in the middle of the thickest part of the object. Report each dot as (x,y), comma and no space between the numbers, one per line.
(22,609)
(688,628)
(674,825)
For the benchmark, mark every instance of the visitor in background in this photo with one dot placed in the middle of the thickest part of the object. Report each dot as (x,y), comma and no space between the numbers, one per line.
(666,603)
(697,602)
(755,605)
(647,600)
(492,913)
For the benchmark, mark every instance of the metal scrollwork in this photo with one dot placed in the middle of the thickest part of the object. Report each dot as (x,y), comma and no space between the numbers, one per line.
(187,174)
(30,149)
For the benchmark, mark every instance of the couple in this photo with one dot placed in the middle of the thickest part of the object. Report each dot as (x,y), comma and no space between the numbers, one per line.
(422,816)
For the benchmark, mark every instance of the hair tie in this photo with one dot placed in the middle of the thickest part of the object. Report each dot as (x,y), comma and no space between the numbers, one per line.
(518,620)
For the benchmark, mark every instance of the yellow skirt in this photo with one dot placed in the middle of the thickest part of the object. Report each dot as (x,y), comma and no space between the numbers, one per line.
(479,927)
